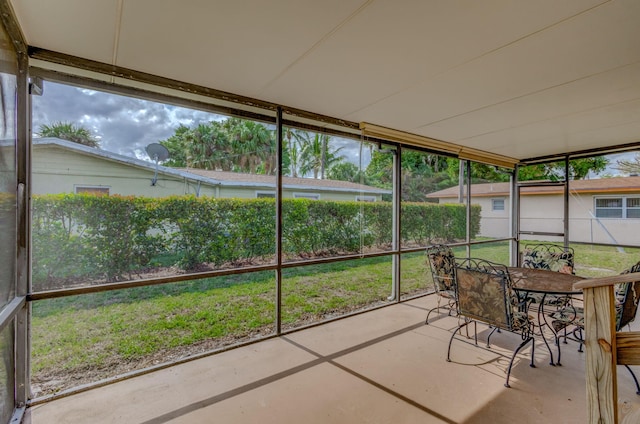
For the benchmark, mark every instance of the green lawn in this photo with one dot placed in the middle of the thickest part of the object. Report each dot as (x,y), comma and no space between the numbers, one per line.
(115,332)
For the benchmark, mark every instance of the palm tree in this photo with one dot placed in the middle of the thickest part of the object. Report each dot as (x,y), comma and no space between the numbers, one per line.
(315,153)
(253,144)
(68,131)
(176,145)
(292,150)
(208,148)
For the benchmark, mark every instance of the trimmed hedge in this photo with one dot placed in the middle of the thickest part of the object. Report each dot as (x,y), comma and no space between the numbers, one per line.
(110,237)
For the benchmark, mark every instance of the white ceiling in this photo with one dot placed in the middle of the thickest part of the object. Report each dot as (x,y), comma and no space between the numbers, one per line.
(517,78)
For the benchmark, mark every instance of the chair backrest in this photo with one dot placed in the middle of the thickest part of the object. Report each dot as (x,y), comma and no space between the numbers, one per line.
(485,293)
(627,297)
(548,256)
(443,267)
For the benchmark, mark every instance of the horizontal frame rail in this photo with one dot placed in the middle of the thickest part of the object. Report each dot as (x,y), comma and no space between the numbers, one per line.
(590,243)
(65,292)
(541,233)
(52,294)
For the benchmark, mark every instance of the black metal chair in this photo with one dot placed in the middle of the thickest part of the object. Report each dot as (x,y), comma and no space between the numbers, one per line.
(442,264)
(627,296)
(485,294)
(550,257)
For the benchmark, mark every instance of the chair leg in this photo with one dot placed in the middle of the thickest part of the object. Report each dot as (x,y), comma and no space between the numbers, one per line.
(490,334)
(429,313)
(559,351)
(506,384)
(532,364)
(579,338)
(438,307)
(635,380)
(452,336)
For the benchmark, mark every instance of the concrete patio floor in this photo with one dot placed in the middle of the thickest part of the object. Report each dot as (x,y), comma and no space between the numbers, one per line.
(383,366)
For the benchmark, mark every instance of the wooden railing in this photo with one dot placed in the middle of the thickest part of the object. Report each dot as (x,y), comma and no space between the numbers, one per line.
(604,347)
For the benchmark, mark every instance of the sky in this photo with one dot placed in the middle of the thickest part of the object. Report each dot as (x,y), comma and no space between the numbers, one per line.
(122,124)
(126,125)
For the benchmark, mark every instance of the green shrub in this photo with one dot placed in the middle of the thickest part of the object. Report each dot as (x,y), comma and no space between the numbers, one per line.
(110,237)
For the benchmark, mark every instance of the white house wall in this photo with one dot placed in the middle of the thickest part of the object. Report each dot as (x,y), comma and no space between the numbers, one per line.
(59,171)
(494,224)
(544,213)
(585,227)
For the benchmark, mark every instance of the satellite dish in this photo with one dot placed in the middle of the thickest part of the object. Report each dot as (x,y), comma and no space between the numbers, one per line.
(157,152)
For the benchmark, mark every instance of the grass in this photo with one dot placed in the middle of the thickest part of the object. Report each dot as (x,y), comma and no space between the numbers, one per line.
(104,330)
(115,332)
(598,261)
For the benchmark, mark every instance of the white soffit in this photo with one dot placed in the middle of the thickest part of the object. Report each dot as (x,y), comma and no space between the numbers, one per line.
(235,46)
(515,78)
(84,28)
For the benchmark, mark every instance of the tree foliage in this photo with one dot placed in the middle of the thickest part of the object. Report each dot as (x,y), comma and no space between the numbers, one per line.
(347,171)
(234,144)
(240,145)
(423,173)
(629,166)
(316,155)
(70,132)
(554,171)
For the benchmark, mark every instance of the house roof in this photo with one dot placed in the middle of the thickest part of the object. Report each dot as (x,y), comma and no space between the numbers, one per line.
(213,177)
(601,185)
(234,178)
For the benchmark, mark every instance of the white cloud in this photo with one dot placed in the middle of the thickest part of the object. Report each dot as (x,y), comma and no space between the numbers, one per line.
(126,125)
(123,125)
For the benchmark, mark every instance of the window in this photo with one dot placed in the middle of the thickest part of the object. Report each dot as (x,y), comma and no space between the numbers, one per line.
(311,196)
(365,198)
(497,205)
(98,190)
(633,207)
(617,207)
(265,194)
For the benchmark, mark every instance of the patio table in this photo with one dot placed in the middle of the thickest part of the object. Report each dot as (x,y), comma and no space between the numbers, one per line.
(543,281)
(533,280)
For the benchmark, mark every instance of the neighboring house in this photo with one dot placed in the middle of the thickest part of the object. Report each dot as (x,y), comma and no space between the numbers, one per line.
(60,166)
(605,210)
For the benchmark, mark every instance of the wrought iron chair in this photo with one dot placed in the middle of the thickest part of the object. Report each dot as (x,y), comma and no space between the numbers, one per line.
(550,257)
(627,296)
(485,294)
(442,264)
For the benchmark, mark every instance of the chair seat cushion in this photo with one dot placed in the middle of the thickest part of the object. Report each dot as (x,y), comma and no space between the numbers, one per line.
(544,259)
(521,320)
(564,317)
